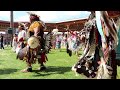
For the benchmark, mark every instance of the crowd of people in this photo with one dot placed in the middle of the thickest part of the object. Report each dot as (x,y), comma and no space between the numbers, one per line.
(59,41)
(71,40)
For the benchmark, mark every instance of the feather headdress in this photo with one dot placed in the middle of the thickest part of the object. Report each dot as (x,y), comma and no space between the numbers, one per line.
(33,13)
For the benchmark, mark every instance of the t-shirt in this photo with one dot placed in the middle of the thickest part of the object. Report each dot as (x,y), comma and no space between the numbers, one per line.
(22,35)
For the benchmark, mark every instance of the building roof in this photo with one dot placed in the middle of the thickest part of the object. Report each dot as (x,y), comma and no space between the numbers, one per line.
(114,14)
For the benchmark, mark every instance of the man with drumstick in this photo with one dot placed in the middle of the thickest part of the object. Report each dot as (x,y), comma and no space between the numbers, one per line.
(36,29)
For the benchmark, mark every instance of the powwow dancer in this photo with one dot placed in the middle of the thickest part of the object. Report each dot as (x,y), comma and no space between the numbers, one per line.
(21,37)
(71,42)
(35,49)
(14,42)
(48,42)
(99,56)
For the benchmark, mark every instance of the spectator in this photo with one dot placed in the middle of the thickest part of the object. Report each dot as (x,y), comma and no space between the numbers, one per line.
(21,37)
(2,46)
(14,42)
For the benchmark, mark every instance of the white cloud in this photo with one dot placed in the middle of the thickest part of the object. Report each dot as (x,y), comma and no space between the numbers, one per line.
(4,15)
(55,16)
(22,19)
(47,16)
(73,13)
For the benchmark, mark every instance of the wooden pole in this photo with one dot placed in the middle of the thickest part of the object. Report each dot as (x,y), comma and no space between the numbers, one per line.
(11,25)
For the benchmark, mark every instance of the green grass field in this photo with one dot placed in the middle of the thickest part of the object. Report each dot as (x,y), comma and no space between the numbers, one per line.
(58,66)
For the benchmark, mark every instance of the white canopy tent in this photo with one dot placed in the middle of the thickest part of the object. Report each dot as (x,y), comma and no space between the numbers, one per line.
(1,32)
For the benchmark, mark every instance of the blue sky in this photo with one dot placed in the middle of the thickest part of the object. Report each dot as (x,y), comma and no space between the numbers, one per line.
(46,16)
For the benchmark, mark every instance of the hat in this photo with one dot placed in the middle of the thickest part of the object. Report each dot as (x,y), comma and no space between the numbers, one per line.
(55,31)
(21,24)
